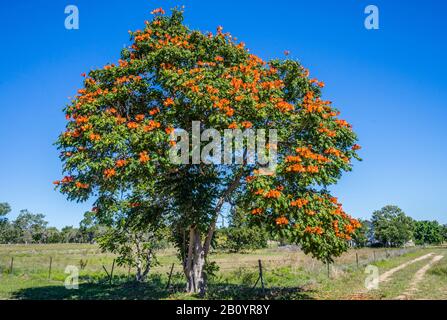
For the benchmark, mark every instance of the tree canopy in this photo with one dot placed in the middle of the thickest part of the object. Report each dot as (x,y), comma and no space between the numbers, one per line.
(392,227)
(120,133)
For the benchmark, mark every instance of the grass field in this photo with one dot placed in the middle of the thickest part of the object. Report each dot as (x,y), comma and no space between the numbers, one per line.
(288,274)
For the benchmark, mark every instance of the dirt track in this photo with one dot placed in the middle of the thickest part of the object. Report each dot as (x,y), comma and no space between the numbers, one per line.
(387,275)
(418,277)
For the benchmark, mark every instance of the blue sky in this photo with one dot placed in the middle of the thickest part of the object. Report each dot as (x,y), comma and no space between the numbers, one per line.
(389,83)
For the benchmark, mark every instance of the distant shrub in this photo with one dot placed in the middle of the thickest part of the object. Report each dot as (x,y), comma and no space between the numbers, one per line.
(241,239)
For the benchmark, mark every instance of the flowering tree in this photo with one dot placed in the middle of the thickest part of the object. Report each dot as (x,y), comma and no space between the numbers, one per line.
(119,133)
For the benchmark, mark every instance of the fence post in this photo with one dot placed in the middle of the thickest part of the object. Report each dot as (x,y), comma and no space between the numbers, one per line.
(49,268)
(111,272)
(357,259)
(328,269)
(11,266)
(260,275)
(170,275)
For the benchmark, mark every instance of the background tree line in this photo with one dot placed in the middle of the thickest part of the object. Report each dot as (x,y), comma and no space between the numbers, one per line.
(388,227)
(391,227)
(30,227)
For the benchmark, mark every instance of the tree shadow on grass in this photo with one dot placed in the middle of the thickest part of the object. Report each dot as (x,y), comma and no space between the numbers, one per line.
(243,292)
(103,290)
(155,289)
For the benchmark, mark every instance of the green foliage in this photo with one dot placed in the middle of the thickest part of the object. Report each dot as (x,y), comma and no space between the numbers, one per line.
(241,239)
(428,232)
(392,227)
(119,137)
(29,227)
(5,208)
(241,235)
(135,244)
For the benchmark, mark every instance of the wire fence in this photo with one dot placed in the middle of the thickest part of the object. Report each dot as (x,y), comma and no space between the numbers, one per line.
(50,264)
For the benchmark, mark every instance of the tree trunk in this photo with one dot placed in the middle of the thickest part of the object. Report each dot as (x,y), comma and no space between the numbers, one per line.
(195,262)
(143,261)
(197,252)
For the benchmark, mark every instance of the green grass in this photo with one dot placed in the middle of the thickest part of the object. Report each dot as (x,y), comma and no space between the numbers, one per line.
(288,274)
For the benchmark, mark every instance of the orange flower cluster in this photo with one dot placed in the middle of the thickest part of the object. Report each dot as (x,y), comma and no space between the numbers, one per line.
(343,123)
(169,130)
(356,147)
(109,173)
(271,85)
(158,10)
(246,124)
(311,105)
(299,203)
(272,194)
(232,125)
(282,221)
(293,159)
(256,211)
(120,120)
(249,179)
(121,163)
(154,111)
(132,125)
(284,106)
(139,117)
(94,137)
(130,78)
(224,105)
(81,185)
(143,36)
(337,153)
(307,153)
(123,63)
(89,97)
(314,230)
(319,83)
(302,169)
(152,125)
(339,212)
(144,157)
(328,132)
(66,179)
(334,152)
(81,120)
(168,102)
(349,229)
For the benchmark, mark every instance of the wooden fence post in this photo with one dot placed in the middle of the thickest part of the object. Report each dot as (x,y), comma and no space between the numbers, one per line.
(357,259)
(11,266)
(108,275)
(328,269)
(49,268)
(260,276)
(170,275)
(111,272)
